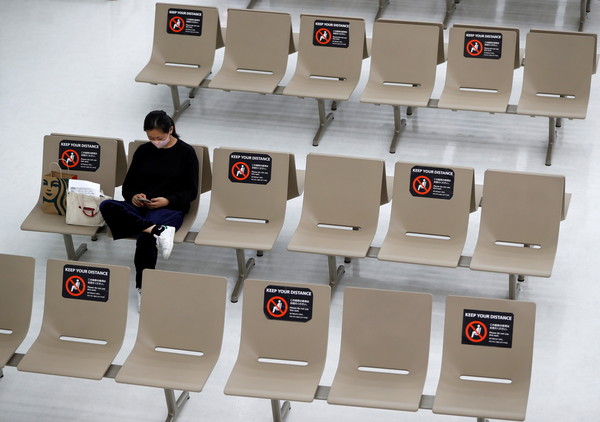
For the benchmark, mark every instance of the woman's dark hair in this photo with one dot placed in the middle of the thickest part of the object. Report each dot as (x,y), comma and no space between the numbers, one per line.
(158,119)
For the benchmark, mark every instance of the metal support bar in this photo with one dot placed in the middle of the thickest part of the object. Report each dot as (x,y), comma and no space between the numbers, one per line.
(335,274)
(178,106)
(513,287)
(72,254)
(450,8)
(324,120)
(193,91)
(399,124)
(244,269)
(175,406)
(280,413)
(584,9)
(382,5)
(551,139)
(251,4)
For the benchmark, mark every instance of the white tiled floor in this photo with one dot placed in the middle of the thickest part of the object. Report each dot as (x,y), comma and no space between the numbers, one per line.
(69,66)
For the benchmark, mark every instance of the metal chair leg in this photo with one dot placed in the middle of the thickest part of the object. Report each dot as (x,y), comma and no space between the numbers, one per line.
(382,5)
(72,254)
(178,106)
(174,407)
(335,274)
(251,4)
(513,287)
(280,413)
(244,268)
(551,140)
(399,124)
(324,120)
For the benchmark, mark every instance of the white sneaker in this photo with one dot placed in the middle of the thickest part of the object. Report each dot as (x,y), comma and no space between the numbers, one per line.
(165,241)
(139,298)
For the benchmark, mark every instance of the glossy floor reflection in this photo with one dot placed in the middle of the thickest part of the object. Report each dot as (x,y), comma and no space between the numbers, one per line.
(69,66)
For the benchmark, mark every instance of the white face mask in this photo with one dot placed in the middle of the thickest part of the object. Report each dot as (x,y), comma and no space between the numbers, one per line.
(160,144)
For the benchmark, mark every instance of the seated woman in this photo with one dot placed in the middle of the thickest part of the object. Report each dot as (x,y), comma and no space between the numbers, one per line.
(161,182)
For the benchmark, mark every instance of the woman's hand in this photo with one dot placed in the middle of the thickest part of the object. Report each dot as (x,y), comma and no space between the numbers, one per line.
(139,200)
(159,202)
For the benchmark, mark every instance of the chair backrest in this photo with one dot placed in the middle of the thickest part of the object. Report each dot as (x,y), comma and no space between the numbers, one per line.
(121,156)
(250,184)
(87,301)
(385,331)
(331,47)
(559,68)
(522,208)
(285,321)
(258,40)
(16,298)
(95,159)
(491,339)
(186,34)
(405,53)
(432,200)
(482,58)
(184,312)
(343,191)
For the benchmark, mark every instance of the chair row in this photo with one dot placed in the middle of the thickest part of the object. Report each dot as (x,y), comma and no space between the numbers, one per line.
(405,54)
(431,204)
(451,7)
(486,359)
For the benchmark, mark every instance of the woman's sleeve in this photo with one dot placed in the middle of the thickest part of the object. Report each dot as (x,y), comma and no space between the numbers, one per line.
(189,183)
(131,182)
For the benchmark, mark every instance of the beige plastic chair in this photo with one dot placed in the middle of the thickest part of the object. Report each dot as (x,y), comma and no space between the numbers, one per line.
(79,337)
(280,359)
(404,59)
(520,222)
(327,72)
(480,380)
(109,175)
(247,215)
(179,59)
(256,54)
(179,336)
(16,297)
(429,230)
(480,84)
(384,350)
(204,181)
(340,212)
(557,77)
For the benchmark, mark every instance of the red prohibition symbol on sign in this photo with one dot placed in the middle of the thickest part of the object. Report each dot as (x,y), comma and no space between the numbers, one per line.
(474,48)
(422,185)
(75,285)
(240,170)
(277,307)
(176,24)
(476,331)
(323,36)
(70,158)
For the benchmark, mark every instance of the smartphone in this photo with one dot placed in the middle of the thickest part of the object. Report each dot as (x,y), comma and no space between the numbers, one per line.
(144,200)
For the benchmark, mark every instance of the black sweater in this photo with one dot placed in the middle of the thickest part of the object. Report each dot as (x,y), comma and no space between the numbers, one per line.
(168,172)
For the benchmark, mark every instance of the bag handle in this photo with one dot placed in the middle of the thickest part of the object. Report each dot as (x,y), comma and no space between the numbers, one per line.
(89,212)
(57,165)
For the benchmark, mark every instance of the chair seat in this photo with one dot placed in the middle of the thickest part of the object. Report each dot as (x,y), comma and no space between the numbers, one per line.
(474,101)
(155,73)
(424,251)
(378,93)
(72,359)
(326,89)
(386,391)
(477,399)
(238,235)
(38,221)
(166,370)
(347,243)
(268,380)
(248,82)
(512,260)
(551,107)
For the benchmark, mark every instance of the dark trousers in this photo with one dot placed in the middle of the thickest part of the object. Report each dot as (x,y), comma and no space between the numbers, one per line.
(126,220)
